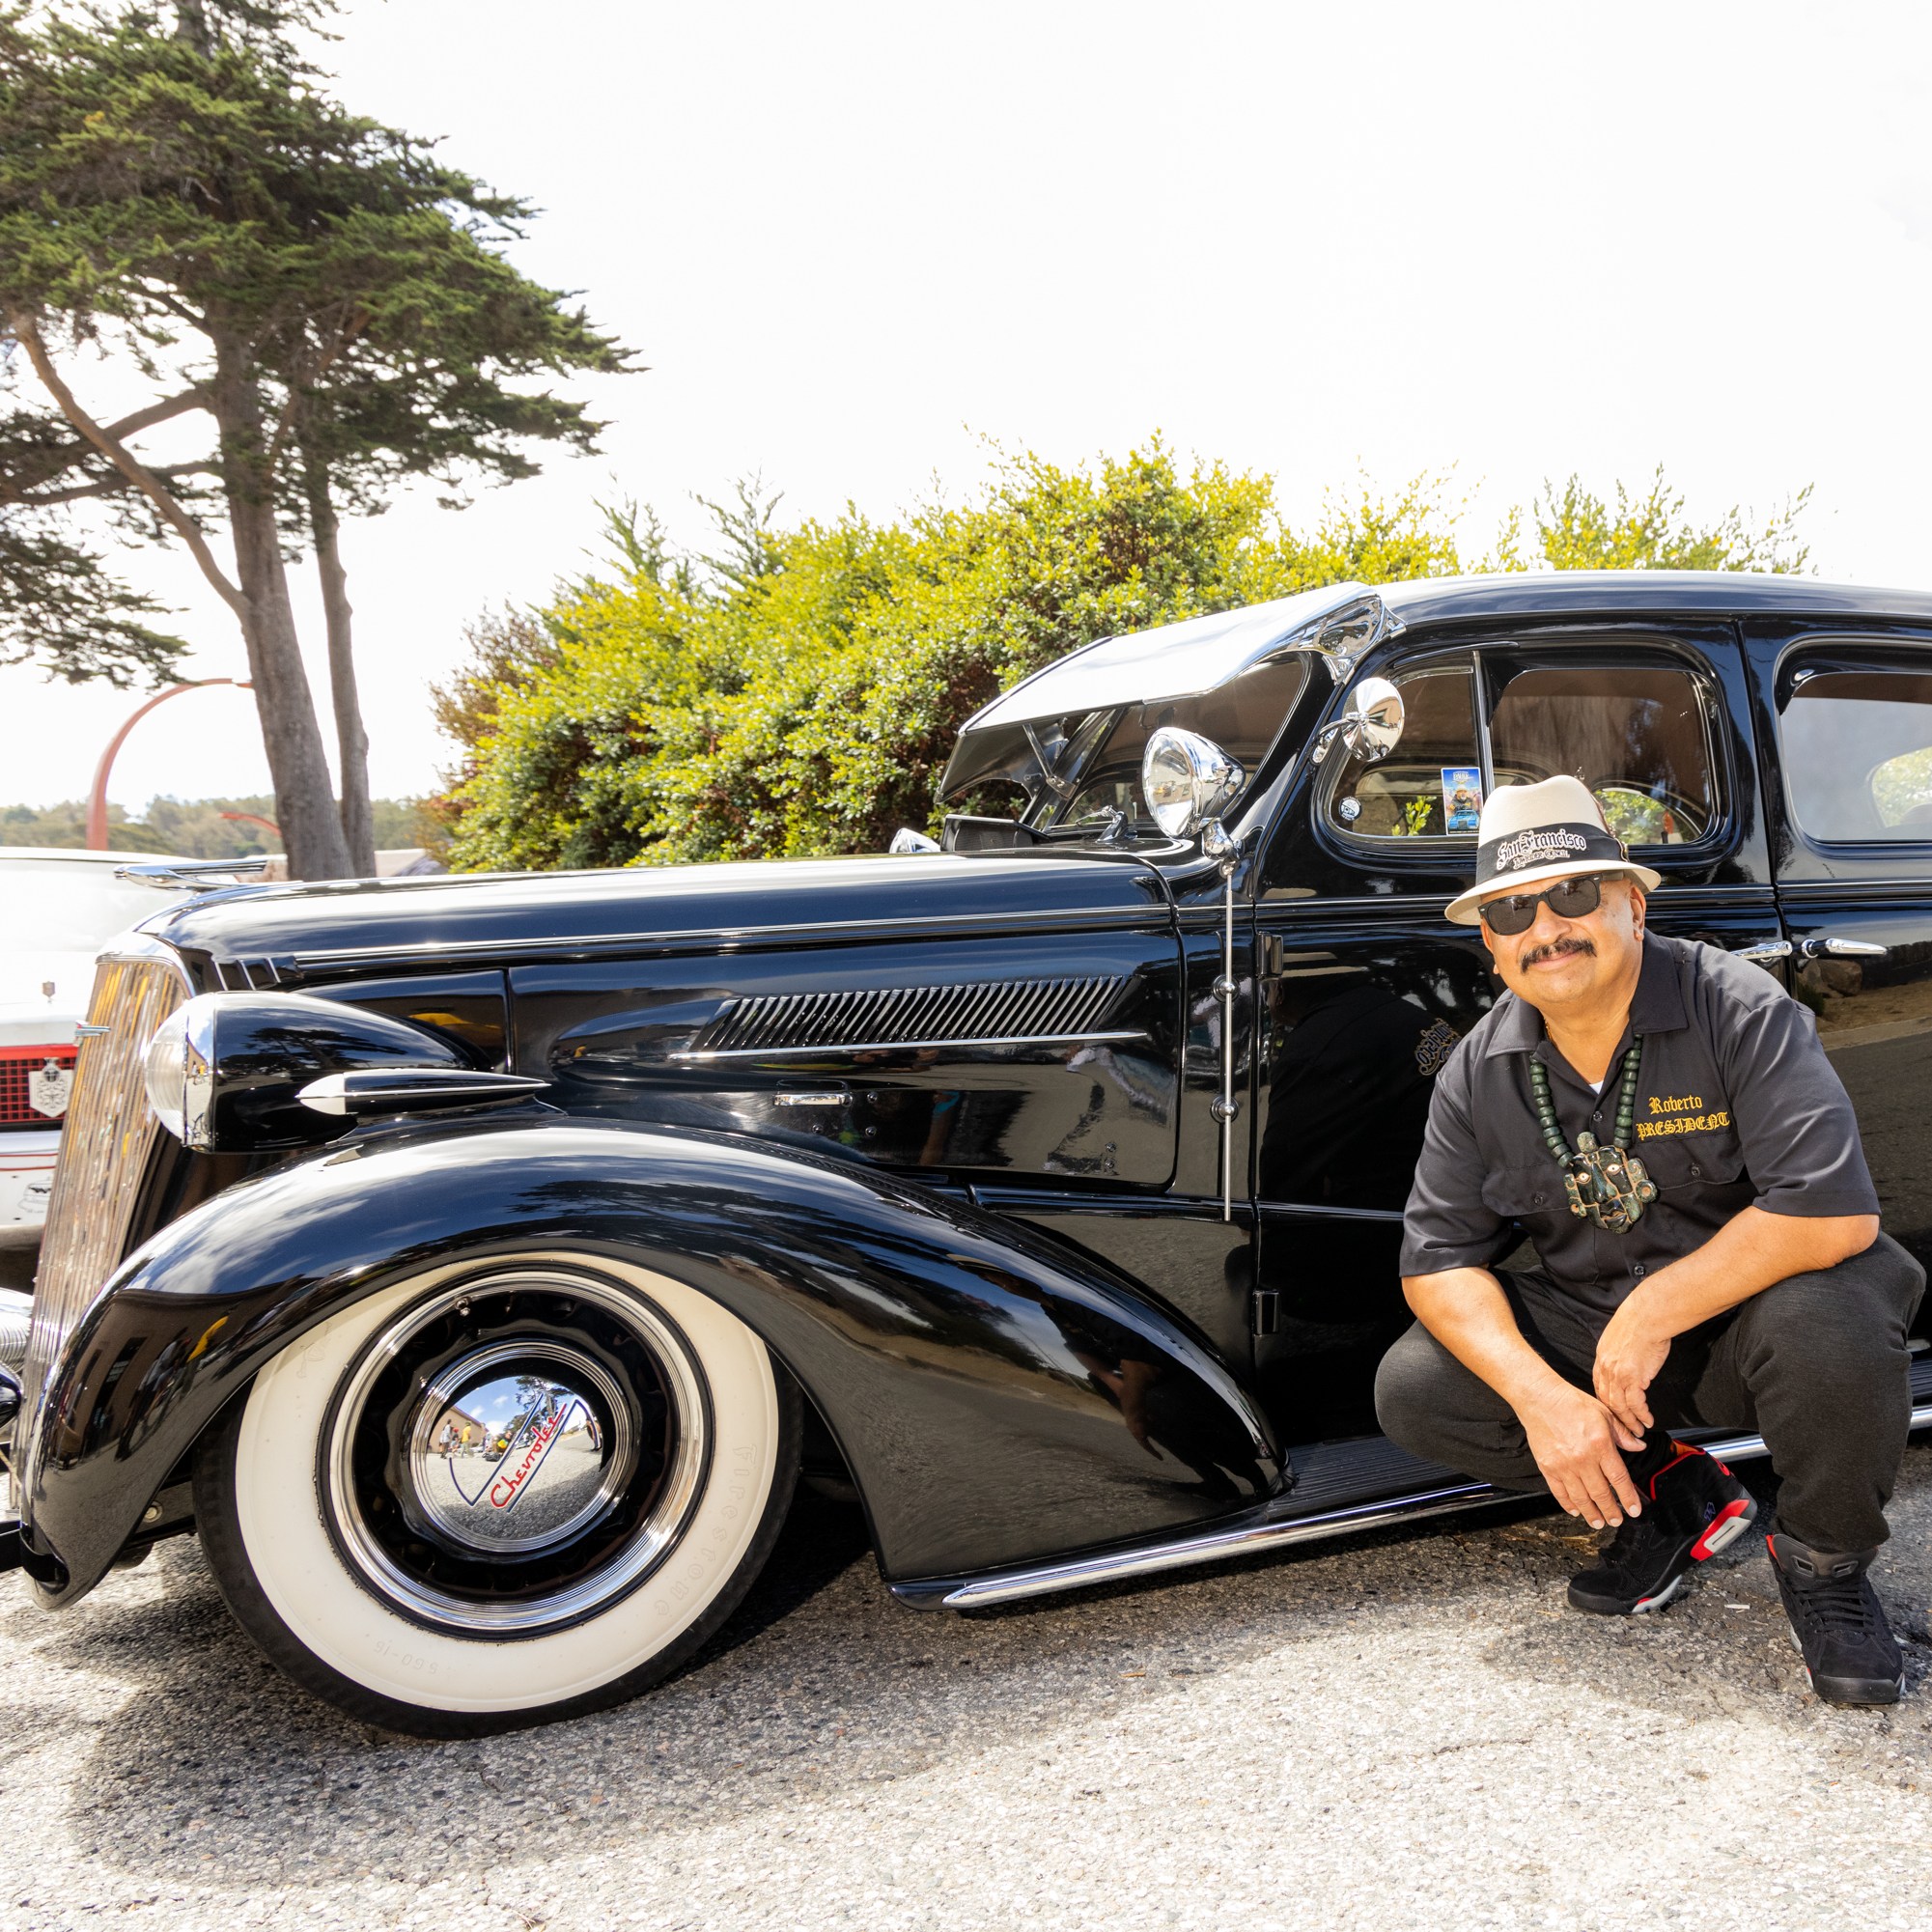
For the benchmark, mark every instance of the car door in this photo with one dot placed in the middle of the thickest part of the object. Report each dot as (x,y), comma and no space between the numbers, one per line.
(1846,728)
(1365,988)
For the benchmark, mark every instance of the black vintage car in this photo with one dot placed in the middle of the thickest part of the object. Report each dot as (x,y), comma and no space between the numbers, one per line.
(473,1262)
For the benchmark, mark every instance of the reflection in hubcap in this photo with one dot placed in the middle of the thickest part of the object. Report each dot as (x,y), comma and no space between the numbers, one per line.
(516,1445)
(516,1452)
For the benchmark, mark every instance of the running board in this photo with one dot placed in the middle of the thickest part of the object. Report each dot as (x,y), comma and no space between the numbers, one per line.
(1251,1537)
(1742,1448)
(1246,1538)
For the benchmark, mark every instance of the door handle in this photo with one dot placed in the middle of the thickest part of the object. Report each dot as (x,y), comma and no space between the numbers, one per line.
(1843,949)
(1765,951)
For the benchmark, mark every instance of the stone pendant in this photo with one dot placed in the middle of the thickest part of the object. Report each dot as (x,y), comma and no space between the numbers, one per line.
(1605,1185)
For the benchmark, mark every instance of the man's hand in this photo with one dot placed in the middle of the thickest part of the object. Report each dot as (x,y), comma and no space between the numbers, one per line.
(1629,1352)
(1576,1442)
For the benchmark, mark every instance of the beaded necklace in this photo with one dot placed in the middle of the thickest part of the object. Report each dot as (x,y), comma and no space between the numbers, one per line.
(1605,1185)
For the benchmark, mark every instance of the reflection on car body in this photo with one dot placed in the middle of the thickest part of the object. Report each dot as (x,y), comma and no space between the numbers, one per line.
(1044,1190)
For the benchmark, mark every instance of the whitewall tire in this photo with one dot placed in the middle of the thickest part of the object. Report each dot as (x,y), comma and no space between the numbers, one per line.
(498,1493)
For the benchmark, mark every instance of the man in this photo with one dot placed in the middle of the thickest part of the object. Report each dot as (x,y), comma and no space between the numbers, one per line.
(1661,1121)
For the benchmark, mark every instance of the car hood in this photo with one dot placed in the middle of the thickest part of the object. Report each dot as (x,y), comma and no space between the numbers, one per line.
(478,917)
(28,1016)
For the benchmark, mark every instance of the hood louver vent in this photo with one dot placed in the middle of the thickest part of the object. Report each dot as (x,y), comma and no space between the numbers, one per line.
(997,1013)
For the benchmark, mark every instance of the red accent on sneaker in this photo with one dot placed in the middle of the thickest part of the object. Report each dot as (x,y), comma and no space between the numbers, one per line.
(1685,1451)
(1701,1548)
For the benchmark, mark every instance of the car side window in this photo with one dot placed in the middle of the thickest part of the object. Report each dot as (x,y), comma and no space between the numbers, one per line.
(1638,736)
(1431,785)
(1858,755)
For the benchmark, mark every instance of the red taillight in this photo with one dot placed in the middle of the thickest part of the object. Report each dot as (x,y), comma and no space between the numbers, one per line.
(18,1067)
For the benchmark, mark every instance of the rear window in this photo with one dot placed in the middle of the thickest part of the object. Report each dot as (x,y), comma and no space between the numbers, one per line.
(1858,755)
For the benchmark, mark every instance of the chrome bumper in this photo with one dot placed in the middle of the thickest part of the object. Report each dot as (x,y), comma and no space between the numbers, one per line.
(14,1310)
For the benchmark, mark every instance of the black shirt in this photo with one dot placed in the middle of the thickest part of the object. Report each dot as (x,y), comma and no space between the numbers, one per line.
(1737,1106)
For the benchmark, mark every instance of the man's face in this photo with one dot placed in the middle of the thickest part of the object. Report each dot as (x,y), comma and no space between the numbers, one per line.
(1565,964)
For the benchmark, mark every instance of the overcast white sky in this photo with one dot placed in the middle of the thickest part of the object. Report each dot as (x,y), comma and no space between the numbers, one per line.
(852,240)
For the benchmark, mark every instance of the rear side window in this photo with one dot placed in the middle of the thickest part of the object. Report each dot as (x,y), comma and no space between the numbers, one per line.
(1638,736)
(1858,755)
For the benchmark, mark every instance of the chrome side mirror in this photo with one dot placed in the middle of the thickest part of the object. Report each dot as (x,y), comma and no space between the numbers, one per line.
(905,840)
(1372,723)
(1186,781)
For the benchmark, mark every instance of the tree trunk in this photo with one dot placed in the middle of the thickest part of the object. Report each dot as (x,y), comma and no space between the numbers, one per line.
(358,820)
(305,799)
(191,26)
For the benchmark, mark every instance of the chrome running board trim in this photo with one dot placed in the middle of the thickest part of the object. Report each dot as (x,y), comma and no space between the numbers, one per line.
(1252,1538)
(1742,1448)
(1213,1544)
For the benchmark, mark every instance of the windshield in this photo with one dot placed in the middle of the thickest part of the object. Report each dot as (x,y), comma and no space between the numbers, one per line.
(1088,767)
(50,908)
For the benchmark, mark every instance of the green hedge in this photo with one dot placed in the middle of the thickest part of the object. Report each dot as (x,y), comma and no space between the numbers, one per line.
(801,696)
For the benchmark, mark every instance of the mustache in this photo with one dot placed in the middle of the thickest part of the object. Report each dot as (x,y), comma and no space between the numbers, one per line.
(1557,950)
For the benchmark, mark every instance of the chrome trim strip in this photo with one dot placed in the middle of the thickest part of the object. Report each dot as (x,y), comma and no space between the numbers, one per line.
(723,939)
(199,874)
(1742,1448)
(411,1089)
(1216,1545)
(904,1046)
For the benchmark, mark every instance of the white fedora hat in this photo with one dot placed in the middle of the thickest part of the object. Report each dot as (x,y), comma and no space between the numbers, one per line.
(1531,835)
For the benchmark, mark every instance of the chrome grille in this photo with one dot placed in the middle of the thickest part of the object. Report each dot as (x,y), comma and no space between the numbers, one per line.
(110,1132)
(993,1013)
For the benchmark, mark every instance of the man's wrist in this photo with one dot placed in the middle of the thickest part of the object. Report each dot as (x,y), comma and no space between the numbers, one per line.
(1645,1312)
(1539,1387)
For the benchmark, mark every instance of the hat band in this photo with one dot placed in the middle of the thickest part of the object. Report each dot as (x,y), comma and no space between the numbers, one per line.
(1538,846)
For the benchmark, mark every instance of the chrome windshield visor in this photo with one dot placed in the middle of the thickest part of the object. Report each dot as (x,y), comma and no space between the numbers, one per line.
(1071,736)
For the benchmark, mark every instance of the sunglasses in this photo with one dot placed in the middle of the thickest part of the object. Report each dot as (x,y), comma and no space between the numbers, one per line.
(1568,899)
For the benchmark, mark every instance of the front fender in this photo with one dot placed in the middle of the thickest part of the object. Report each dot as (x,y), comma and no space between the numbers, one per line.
(979,1380)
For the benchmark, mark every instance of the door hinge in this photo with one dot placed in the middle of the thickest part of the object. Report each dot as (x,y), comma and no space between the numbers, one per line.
(1264,1309)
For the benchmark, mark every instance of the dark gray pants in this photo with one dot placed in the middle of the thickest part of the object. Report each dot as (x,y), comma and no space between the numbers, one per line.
(1815,1364)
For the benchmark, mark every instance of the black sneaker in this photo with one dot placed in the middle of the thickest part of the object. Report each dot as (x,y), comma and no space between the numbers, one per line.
(1837,1623)
(1693,1507)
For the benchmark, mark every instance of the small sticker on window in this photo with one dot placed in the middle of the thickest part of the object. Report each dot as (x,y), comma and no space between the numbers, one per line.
(1462,797)
(1351,810)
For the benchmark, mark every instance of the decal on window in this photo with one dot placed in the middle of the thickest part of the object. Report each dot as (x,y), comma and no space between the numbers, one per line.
(1462,797)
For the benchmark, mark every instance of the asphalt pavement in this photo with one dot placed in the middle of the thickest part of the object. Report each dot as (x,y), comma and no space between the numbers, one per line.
(1395,1732)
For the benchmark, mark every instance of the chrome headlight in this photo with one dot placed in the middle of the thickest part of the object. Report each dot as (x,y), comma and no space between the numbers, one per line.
(1187,779)
(179,1071)
(235,1072)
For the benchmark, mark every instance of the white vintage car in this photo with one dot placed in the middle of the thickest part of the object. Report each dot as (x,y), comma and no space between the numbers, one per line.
(58,909)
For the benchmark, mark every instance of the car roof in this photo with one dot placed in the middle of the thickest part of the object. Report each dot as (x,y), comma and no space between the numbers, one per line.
(1527,594)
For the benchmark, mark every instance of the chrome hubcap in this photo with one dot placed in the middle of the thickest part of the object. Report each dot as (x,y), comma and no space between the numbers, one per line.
(515,1446)
(516,1452)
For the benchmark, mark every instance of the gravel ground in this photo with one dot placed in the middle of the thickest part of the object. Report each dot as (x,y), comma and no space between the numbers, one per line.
(1385,1733)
